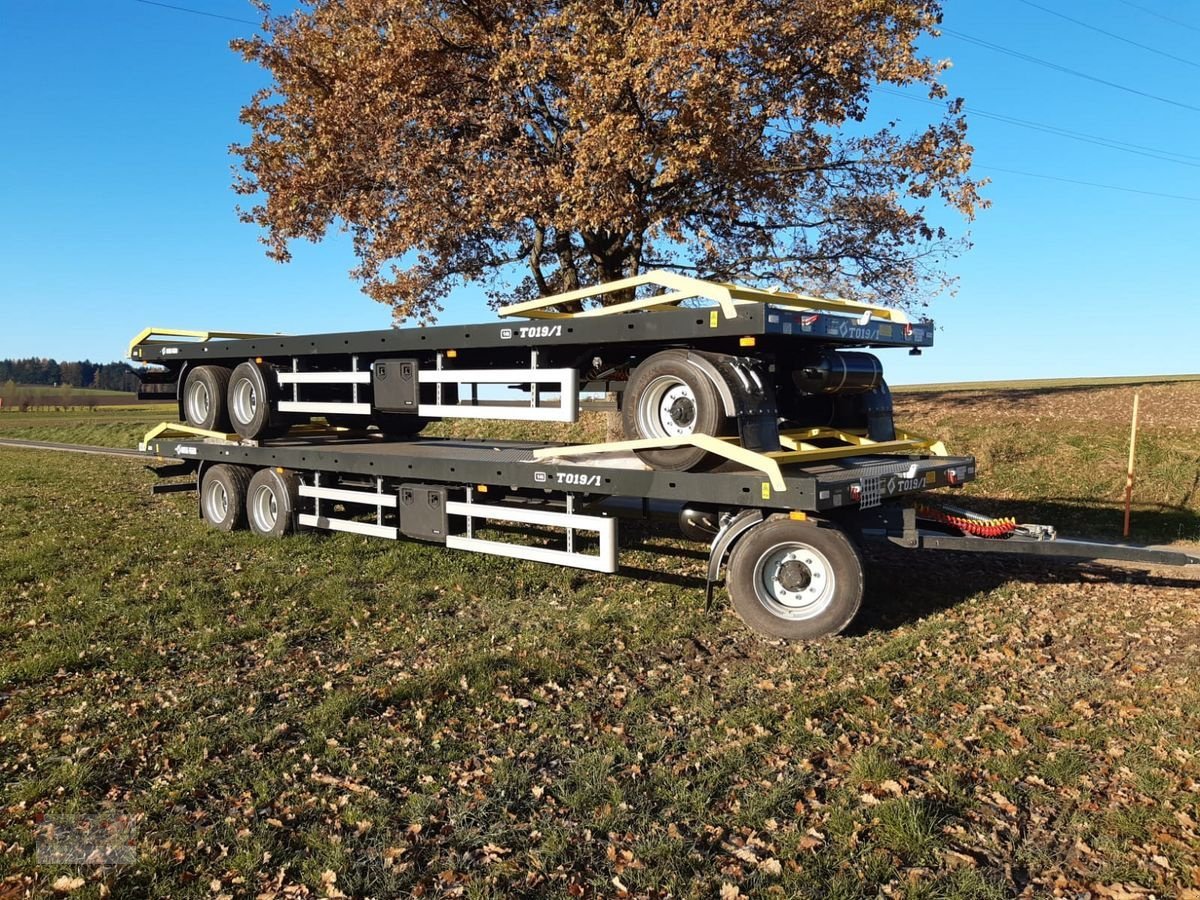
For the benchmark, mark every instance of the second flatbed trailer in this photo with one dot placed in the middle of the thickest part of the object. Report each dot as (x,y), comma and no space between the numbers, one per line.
(787,534)
(751,365)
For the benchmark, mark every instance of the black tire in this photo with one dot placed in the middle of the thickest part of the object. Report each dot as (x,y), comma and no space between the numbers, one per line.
(223,496)
(271,502)
(795,580)
(399,425)
(204,398)
(354,423)
(253,402)
(665,397)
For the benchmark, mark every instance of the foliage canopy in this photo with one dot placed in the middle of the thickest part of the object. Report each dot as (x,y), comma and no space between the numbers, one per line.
(537,147)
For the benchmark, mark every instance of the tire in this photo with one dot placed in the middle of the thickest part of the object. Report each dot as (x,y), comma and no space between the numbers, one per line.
(204,398)
(223,496)
(668,397)
(354,423)
(795,580)
(271,502)
(253,402)
(399,425)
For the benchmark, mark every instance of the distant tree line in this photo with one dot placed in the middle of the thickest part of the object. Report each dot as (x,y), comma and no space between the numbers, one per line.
(114,376)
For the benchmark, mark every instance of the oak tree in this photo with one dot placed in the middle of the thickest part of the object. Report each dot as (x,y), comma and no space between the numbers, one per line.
(537,147)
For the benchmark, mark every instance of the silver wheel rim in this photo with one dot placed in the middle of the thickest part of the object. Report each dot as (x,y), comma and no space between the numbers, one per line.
(216,501)
(794,581)
(666,408)
(244,401)
(264,508)
(199,402)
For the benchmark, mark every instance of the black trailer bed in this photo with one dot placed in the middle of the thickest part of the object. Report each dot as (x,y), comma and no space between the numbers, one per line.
(813,486)
(679,326)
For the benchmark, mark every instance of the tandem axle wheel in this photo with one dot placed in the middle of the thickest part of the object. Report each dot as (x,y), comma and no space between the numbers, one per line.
(794,579)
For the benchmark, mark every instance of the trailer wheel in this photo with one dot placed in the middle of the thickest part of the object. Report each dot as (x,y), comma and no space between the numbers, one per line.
(271,501)
(399,425)
(795,580)
(204,392)
(223,496)
(254,402)
(667,397)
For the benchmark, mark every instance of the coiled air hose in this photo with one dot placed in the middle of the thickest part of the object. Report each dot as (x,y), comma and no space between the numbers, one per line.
(970,524)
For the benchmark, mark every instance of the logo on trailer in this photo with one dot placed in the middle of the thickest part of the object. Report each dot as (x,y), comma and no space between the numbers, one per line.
(505,334)
(577,478)
(539,477)
(896,485)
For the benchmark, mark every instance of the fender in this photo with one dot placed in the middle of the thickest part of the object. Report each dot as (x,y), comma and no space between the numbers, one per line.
(179,400)
(745,395)
(734,528)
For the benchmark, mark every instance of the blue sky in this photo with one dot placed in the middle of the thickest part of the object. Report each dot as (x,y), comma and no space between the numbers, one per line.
(116,210)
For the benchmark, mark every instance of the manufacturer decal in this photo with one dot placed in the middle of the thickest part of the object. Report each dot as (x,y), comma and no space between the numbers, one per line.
(169,351)
(539,477)
(532,331)
(846,328)
(577,478)
(184,450)
(898,485)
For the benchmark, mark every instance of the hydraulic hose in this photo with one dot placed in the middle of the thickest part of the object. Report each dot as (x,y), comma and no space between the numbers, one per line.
(970,524)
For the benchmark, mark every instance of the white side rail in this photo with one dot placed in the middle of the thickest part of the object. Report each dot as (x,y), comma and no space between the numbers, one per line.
(605,528)
(564,382)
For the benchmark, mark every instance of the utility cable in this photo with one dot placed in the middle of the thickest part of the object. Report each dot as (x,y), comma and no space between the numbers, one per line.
(1067,70)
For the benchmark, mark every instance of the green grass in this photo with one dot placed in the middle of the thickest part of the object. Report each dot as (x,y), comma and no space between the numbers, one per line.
(416,720)
(109,426)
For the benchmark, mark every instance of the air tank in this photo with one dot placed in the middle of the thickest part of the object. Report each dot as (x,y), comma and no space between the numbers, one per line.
(838,372)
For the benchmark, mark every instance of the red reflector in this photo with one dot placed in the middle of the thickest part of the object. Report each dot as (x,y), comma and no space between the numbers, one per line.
(951,477)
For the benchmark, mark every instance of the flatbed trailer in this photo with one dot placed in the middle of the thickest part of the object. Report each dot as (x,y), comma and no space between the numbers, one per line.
(736,368)
(787,534)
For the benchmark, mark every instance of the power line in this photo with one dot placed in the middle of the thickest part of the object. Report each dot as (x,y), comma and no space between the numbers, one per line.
(1159,15)
(1053,65)
(1093,184)
(1171,156)
(1111,34)
(198,12)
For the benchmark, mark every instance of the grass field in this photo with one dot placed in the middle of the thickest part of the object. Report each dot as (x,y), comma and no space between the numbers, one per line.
(330,715)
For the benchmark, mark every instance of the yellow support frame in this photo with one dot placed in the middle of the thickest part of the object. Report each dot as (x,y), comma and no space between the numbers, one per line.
(795,443)
(682,287)
(145,334)
(721,447)
(796,446)
(178,429)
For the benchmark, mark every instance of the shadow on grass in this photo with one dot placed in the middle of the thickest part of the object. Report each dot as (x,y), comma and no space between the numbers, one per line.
(905,586)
